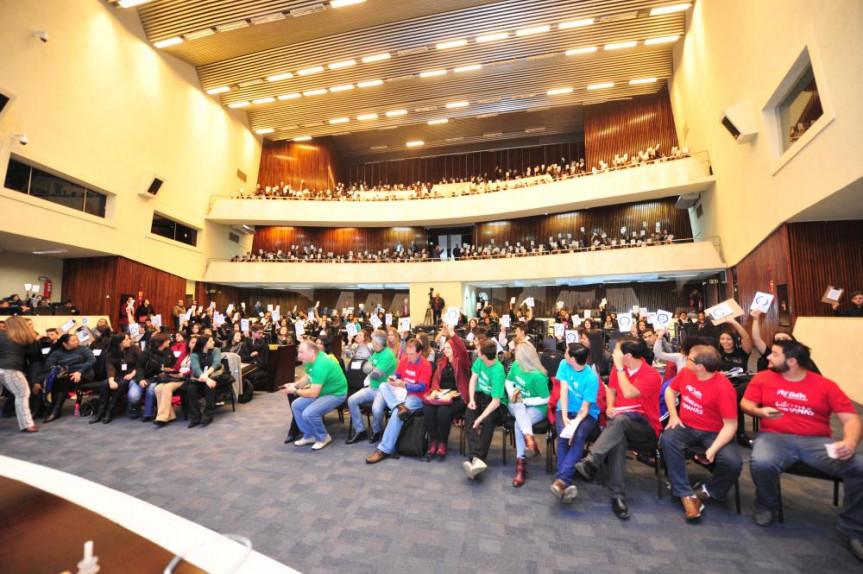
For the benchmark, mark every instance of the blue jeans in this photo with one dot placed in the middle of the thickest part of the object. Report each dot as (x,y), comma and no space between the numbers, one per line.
(135,392)
(568,455)
(309,413)
(362,397)
(525,418)
(394,426)
(773,453)
(727,463)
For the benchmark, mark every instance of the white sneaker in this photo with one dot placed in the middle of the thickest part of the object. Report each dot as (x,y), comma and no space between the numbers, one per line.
(322,443)
(304,441)
(474,468)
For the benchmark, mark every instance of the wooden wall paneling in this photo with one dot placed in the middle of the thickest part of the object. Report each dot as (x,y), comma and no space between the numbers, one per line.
(823,253)
(627,127)
(223,295)
(163,289)
(316,163)
(337,240)
(90,283)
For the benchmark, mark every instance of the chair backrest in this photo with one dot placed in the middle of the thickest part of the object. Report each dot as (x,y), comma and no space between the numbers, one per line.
(355,375)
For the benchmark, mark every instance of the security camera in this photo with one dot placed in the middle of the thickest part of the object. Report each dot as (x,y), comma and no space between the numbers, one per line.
(41,34)
(22,138)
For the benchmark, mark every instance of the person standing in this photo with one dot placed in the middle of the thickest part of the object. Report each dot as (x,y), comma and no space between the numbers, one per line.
(178,313)
(16,348)
(437,305)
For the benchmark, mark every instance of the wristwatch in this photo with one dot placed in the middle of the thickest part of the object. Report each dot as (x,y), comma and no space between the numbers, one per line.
(619,369)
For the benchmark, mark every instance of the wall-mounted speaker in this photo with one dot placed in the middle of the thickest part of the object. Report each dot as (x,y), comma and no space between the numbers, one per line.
(686,200)
(739,120)
(150,186)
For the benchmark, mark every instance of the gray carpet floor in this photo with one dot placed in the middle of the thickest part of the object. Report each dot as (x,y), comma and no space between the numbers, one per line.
(328,511)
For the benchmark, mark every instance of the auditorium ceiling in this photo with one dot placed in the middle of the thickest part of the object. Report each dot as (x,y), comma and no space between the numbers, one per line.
(380,74)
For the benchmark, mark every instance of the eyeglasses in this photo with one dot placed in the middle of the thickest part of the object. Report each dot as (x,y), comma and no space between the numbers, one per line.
(688,360)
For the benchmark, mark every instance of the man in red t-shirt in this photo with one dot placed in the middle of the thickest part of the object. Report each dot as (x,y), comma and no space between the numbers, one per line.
(633,416)
(707,420)
(794,406)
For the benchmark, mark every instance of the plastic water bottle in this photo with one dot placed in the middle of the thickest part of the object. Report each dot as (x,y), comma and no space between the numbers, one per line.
(77,410)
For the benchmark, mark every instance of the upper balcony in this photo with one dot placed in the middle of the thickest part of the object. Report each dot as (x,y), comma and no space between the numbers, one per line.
(644,182)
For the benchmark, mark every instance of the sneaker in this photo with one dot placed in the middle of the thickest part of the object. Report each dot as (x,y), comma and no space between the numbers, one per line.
(474,468)
(764,517)
(570,493)
(701,492)
(304,441)
(856,548)
(585,469)
(692,507)
(322,443)
(557,488)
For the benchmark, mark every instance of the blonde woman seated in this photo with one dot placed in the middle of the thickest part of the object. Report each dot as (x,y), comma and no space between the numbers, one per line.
(165,391)
(527,388)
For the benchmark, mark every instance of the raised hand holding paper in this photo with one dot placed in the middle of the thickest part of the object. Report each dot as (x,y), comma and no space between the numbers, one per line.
(663,319)
(300,328)
(352,331)
(559,329)
(405,324)
(156,320)
(69,324)
(832,295)
(512,301)
(571,337)
(529,302)
(452,315)
(388,319)
(244,325)
(724,311)
(651,318)
(624,322)
(376,323)
(587,313)
(504,321)
(761,302)
(134,331)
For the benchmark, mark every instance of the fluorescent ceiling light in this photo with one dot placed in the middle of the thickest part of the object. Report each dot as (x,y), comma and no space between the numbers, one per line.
(314,92)
(239,24)
(169,42)
(559,91)
(492,37)
(199,34)
(533,30)
(263,131)
(302,138)
(345,64)
(238,105)
(470,68)
(309,71)
(370,83)
(131,3)
(663,40)
(364,117)
(415,143)
(340,121)
(267,18)
(291,96)
(49,251)
(432,73)
(376,58)
(483,116)
(279,77)
(575,24)
(642,81)
(342,88)
(377,147)
(219,90)
(670,9)
(619,45)
(438,121)
(395,113)
(492,135)
(600,86)
(263,101)
(342,3)
(585,50)
(462,104)
(534,130)
(451,44)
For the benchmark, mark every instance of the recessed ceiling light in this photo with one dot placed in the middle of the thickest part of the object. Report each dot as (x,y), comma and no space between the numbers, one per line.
(238,105)
(470,68)
(263,131)
(415,143)
(248,83)
(376,58)
(533,30)
(670,9)
(575,24)
(314,92)
(291,96)
(559,91)
(619,45)
(49,251)
(462,104)
(395,113)
(492,135)
(342,3)
(438,121)
(219,90)
(309,71)
(340,121)
(263,101)
(600,86)
(451,44)
(239,24)
(370,83)
(302,138)
(342,88)
(585,50)
(534,130)
(267,18)
(492,37)
(663,40)
(345,64)
(364,117)
(131,3)
(198,34)
(642,81)
(432,73)
(169,42)
(279,77)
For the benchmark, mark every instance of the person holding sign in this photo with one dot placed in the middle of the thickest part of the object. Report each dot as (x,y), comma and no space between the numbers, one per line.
(527,390)
(708,420)
(795,406)
(382,365)
(577,412)
(448,394)
(734,355)
(486,392)
(856,309)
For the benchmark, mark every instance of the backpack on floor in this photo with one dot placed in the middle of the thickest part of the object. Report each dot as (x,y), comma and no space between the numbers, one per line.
(412,440)
(248,391)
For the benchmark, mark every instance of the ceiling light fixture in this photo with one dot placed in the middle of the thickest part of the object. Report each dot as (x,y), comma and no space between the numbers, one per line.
(219,90)
(451,44)
(263,131)
(669,9)
(492,135)
(239,105)
(600,86)
(197,35)
(343,3)
(438,121)
(415,143)
(376,58)
(642,81)
(169,42)
(280,77)
(314,92)
(395,113)
(239,24)
(492,37)
(339,121)
(369,83)
(533,30)
(302,138)
(462,104)
(291,96)
(620,45)
(263,101)
(586,50)
(49,252)
(365,117)
(342,88)
(559,91)
(310,71)
(432,73)
(470,68)
(345,64)
(131,3)
(663,40)
(267,18)
(575,24)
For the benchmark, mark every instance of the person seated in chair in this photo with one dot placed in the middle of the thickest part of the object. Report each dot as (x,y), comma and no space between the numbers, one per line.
(155,360)
(173,381)
(632,400)
(206,364)
(322,389)
(795,406)
(121,357)
(77,361)
(487,391)
(527,389)
(403,394)
(381,365)
(448,392)
(707,420)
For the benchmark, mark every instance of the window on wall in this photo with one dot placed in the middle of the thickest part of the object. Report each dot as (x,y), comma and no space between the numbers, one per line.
(800,108)
(170,229)
(39,183)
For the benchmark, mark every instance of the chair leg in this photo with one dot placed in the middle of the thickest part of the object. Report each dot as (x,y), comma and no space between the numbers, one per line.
(503,443)
(658,472)
(779,496)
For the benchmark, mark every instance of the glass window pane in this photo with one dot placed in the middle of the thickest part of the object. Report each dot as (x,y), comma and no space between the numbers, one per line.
(162,226)
(17,176)
(94,203)
(800,109)
(186,235)
(47,186)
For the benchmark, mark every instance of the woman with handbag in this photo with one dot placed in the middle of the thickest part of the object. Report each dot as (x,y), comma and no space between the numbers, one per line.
(173,381)
(16,348)
(448,395)
(74,366)
(206,366)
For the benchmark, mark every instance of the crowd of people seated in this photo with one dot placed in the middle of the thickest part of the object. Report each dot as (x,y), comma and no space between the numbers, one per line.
(499,180)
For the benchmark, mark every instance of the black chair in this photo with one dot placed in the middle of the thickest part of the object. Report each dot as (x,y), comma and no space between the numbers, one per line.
(540,428)
(802,469)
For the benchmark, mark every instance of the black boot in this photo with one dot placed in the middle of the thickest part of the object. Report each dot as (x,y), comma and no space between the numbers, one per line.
(57,400)
(113,399)
(99,412)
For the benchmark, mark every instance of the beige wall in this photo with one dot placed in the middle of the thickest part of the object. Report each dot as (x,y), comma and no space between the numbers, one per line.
(737,50)
(834,343)
(18,269)
(101,105)
(450,291)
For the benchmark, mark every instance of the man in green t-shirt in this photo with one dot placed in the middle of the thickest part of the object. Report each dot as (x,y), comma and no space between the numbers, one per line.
(322,389)
(487,393)
(379,367)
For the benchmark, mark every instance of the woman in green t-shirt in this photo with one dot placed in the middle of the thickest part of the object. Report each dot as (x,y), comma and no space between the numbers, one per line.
(527,387)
